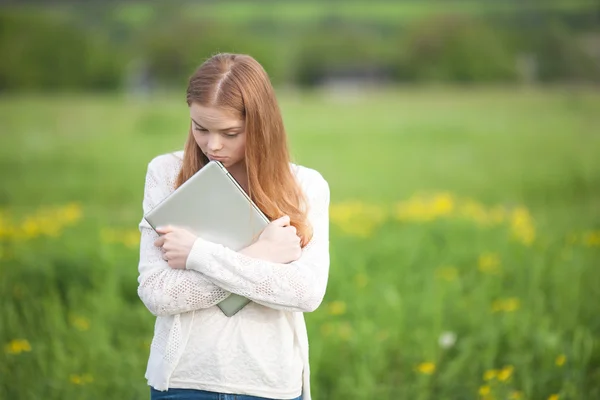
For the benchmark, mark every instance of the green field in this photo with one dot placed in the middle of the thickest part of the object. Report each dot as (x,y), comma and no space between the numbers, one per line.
(465,241)
(380,11)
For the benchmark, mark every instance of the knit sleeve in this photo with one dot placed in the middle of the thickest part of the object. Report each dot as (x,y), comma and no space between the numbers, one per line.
(297,286)
(163,290)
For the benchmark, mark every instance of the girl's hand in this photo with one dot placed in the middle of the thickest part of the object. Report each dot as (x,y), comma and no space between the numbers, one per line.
(277,243)
(176,244)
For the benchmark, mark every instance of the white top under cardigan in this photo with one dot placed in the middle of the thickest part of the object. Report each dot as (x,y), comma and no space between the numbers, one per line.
(263,349)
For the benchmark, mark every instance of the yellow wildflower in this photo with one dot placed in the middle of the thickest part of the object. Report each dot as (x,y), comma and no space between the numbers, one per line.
(516,395)
(484,390)
(505,373)
(507,305)
(522,226)
(490,374)
(553,397)
(44,221)
(489,263)
(560,360)
(591,239)
(80,323)
(30,228)
(357,218)
(422,208)
(72,212)
(17,346)
(414,210)
(49,227)
(337,307)
(426,368)
(131,238)
(3,223)
(11,232)
(81,379)
(442,204)
(512,304)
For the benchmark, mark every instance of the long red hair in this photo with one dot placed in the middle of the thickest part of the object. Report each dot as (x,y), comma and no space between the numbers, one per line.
(239,83)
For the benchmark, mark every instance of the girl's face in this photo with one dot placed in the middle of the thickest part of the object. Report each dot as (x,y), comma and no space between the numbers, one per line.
(219,133)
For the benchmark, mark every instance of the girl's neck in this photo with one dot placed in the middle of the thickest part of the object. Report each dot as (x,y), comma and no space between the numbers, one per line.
(239,173)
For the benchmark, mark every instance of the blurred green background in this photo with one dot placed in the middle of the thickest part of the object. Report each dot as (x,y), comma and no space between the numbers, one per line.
(460,140)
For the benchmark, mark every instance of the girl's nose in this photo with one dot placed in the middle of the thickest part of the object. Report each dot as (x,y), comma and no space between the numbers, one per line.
(214,143)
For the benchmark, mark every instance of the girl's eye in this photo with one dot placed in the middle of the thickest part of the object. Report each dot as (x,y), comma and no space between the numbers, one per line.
(231,135)
(201,129)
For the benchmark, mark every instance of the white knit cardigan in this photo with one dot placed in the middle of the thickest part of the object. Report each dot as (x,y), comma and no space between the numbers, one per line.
(213,272)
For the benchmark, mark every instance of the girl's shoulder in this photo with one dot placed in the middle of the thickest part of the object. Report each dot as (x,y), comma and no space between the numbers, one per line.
(163,170)
(167,159)
(312,182)
(167,163)
(304,173)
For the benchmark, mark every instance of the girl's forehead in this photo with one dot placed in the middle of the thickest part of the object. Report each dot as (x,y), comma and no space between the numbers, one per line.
(214,116)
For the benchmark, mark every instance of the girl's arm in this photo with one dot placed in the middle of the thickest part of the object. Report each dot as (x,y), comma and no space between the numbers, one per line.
(167,291)
(297,286)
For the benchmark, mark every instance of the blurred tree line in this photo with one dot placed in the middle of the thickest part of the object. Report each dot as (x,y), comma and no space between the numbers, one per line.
(101,47)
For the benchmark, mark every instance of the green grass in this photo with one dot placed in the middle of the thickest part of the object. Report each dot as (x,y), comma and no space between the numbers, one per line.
(375,11)
(396,284)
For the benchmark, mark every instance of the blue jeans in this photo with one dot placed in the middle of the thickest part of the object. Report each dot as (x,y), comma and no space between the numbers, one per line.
(192,394)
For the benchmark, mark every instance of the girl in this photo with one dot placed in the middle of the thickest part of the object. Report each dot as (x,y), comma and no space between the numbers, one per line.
(262,351)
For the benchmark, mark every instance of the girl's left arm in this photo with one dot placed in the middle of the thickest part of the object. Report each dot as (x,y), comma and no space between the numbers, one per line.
(296,286)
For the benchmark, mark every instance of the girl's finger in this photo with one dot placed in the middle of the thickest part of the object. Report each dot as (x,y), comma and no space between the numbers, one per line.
(164,229)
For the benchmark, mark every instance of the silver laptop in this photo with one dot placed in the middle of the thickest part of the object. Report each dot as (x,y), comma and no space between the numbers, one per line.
(212,205)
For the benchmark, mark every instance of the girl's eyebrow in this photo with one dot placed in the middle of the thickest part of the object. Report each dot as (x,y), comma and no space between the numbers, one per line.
(220,130)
